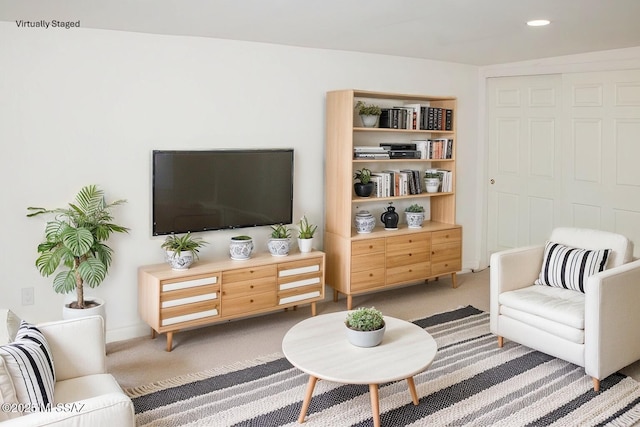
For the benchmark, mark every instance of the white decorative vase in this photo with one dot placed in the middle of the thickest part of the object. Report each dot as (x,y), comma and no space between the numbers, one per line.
(98,309)
(365,222)
(180,261)
(365,338)
(278,247)
(369,121)
(240,248)
(414,219)
(305,245)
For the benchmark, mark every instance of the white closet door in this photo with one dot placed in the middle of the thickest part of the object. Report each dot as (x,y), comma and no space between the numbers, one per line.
(602,171)
(564,150)
(524,166)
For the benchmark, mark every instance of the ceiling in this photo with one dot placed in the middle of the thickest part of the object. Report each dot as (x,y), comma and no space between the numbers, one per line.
(476,32)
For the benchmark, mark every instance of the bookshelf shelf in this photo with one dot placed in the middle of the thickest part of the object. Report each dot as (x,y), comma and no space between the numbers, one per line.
(361,263)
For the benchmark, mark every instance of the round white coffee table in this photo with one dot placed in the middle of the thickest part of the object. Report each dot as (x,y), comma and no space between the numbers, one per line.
(319,347)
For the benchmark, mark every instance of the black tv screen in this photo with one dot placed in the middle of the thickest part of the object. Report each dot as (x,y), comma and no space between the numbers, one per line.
(221,189)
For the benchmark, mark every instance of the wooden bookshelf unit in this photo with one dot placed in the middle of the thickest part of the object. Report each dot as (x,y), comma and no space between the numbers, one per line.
(361,263)
(212,292)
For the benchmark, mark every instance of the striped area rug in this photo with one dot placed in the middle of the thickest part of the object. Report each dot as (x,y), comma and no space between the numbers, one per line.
(471,382)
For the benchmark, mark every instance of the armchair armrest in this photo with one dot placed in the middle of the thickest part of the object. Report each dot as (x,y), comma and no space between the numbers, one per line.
(612,337)
(510,270)
(113,409)
(77,346)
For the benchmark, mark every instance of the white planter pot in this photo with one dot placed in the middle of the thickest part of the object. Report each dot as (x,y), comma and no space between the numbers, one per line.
(365,338)
(76,313)
(432,184)
(414,219)
(305,245)
(180,262)
(278,247)
(369,121)
(240,249)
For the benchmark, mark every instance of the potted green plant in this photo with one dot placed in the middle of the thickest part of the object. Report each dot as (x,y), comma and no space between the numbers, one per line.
(365,327)
(75,240)
(240,247)
(279,244)
(364,187)
(369,113)
(182,251)
(305,234)
(414,215)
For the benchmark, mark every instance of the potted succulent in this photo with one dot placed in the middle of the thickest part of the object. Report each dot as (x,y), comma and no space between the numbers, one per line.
(75,240)
(279,243)
(414,215)
(305,234)
(365,327)
(182,251)
(364,187)
(369,113)
(240,247)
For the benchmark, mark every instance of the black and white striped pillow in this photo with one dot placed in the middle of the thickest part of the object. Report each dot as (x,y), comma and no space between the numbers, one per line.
(569,268)
(30,364)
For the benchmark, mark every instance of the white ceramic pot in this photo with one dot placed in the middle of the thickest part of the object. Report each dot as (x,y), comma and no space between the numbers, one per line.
(305,245)
(278,247)
(365,338)
(240,249)
(414,219)
(76,313)
(365,222)
(369,121)
(432,184)
(180,262)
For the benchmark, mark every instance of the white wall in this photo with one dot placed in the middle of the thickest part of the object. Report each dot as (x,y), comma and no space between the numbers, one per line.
(88,106)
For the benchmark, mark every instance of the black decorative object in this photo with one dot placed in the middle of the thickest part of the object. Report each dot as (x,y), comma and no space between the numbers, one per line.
(390,218)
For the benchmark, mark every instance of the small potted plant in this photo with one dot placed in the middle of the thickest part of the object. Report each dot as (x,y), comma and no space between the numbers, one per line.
(305,234)
(364,187)
(365,327)
(369,113)
(414,215)
(182,251)
(279,243)
(240,247)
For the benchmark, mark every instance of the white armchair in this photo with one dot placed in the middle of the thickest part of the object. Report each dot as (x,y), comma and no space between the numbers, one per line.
(88,394)
(597,329)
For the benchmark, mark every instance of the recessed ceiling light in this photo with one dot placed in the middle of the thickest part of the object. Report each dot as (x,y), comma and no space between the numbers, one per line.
(538,23)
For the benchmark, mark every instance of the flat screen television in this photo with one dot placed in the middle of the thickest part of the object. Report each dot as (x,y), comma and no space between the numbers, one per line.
(221,189)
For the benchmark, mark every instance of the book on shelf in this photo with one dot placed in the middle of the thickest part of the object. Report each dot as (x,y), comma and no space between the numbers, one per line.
(439,148)
(415,122)
(436,118)
(446,178)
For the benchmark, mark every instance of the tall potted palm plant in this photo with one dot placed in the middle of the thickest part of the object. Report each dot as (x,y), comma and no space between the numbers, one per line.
(74,241)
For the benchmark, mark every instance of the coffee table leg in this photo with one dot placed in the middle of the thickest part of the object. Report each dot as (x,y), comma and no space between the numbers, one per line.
(307,398)
(412,390)
(375,404)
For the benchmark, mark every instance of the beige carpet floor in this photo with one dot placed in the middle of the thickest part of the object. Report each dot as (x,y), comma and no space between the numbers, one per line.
(144,360)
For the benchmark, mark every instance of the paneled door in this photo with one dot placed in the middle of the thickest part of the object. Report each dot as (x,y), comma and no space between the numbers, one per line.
(602,174)
(524,164)
(564,150)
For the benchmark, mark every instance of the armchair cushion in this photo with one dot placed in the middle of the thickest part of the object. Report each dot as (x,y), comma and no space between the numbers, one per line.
(9,324)
(568,267)
(29,362)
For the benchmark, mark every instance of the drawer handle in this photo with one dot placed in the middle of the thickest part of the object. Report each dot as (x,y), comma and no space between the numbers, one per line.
(250,300)
(410,254)
(433,252)
(370,274)
(410,241)
(370,246)
(446,236)
(251,286)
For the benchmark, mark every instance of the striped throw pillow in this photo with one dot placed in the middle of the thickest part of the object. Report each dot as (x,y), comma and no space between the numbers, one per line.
(30,364)
(569,268)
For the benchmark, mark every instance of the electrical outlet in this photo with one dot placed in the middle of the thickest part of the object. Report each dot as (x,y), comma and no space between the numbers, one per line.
(27,296)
